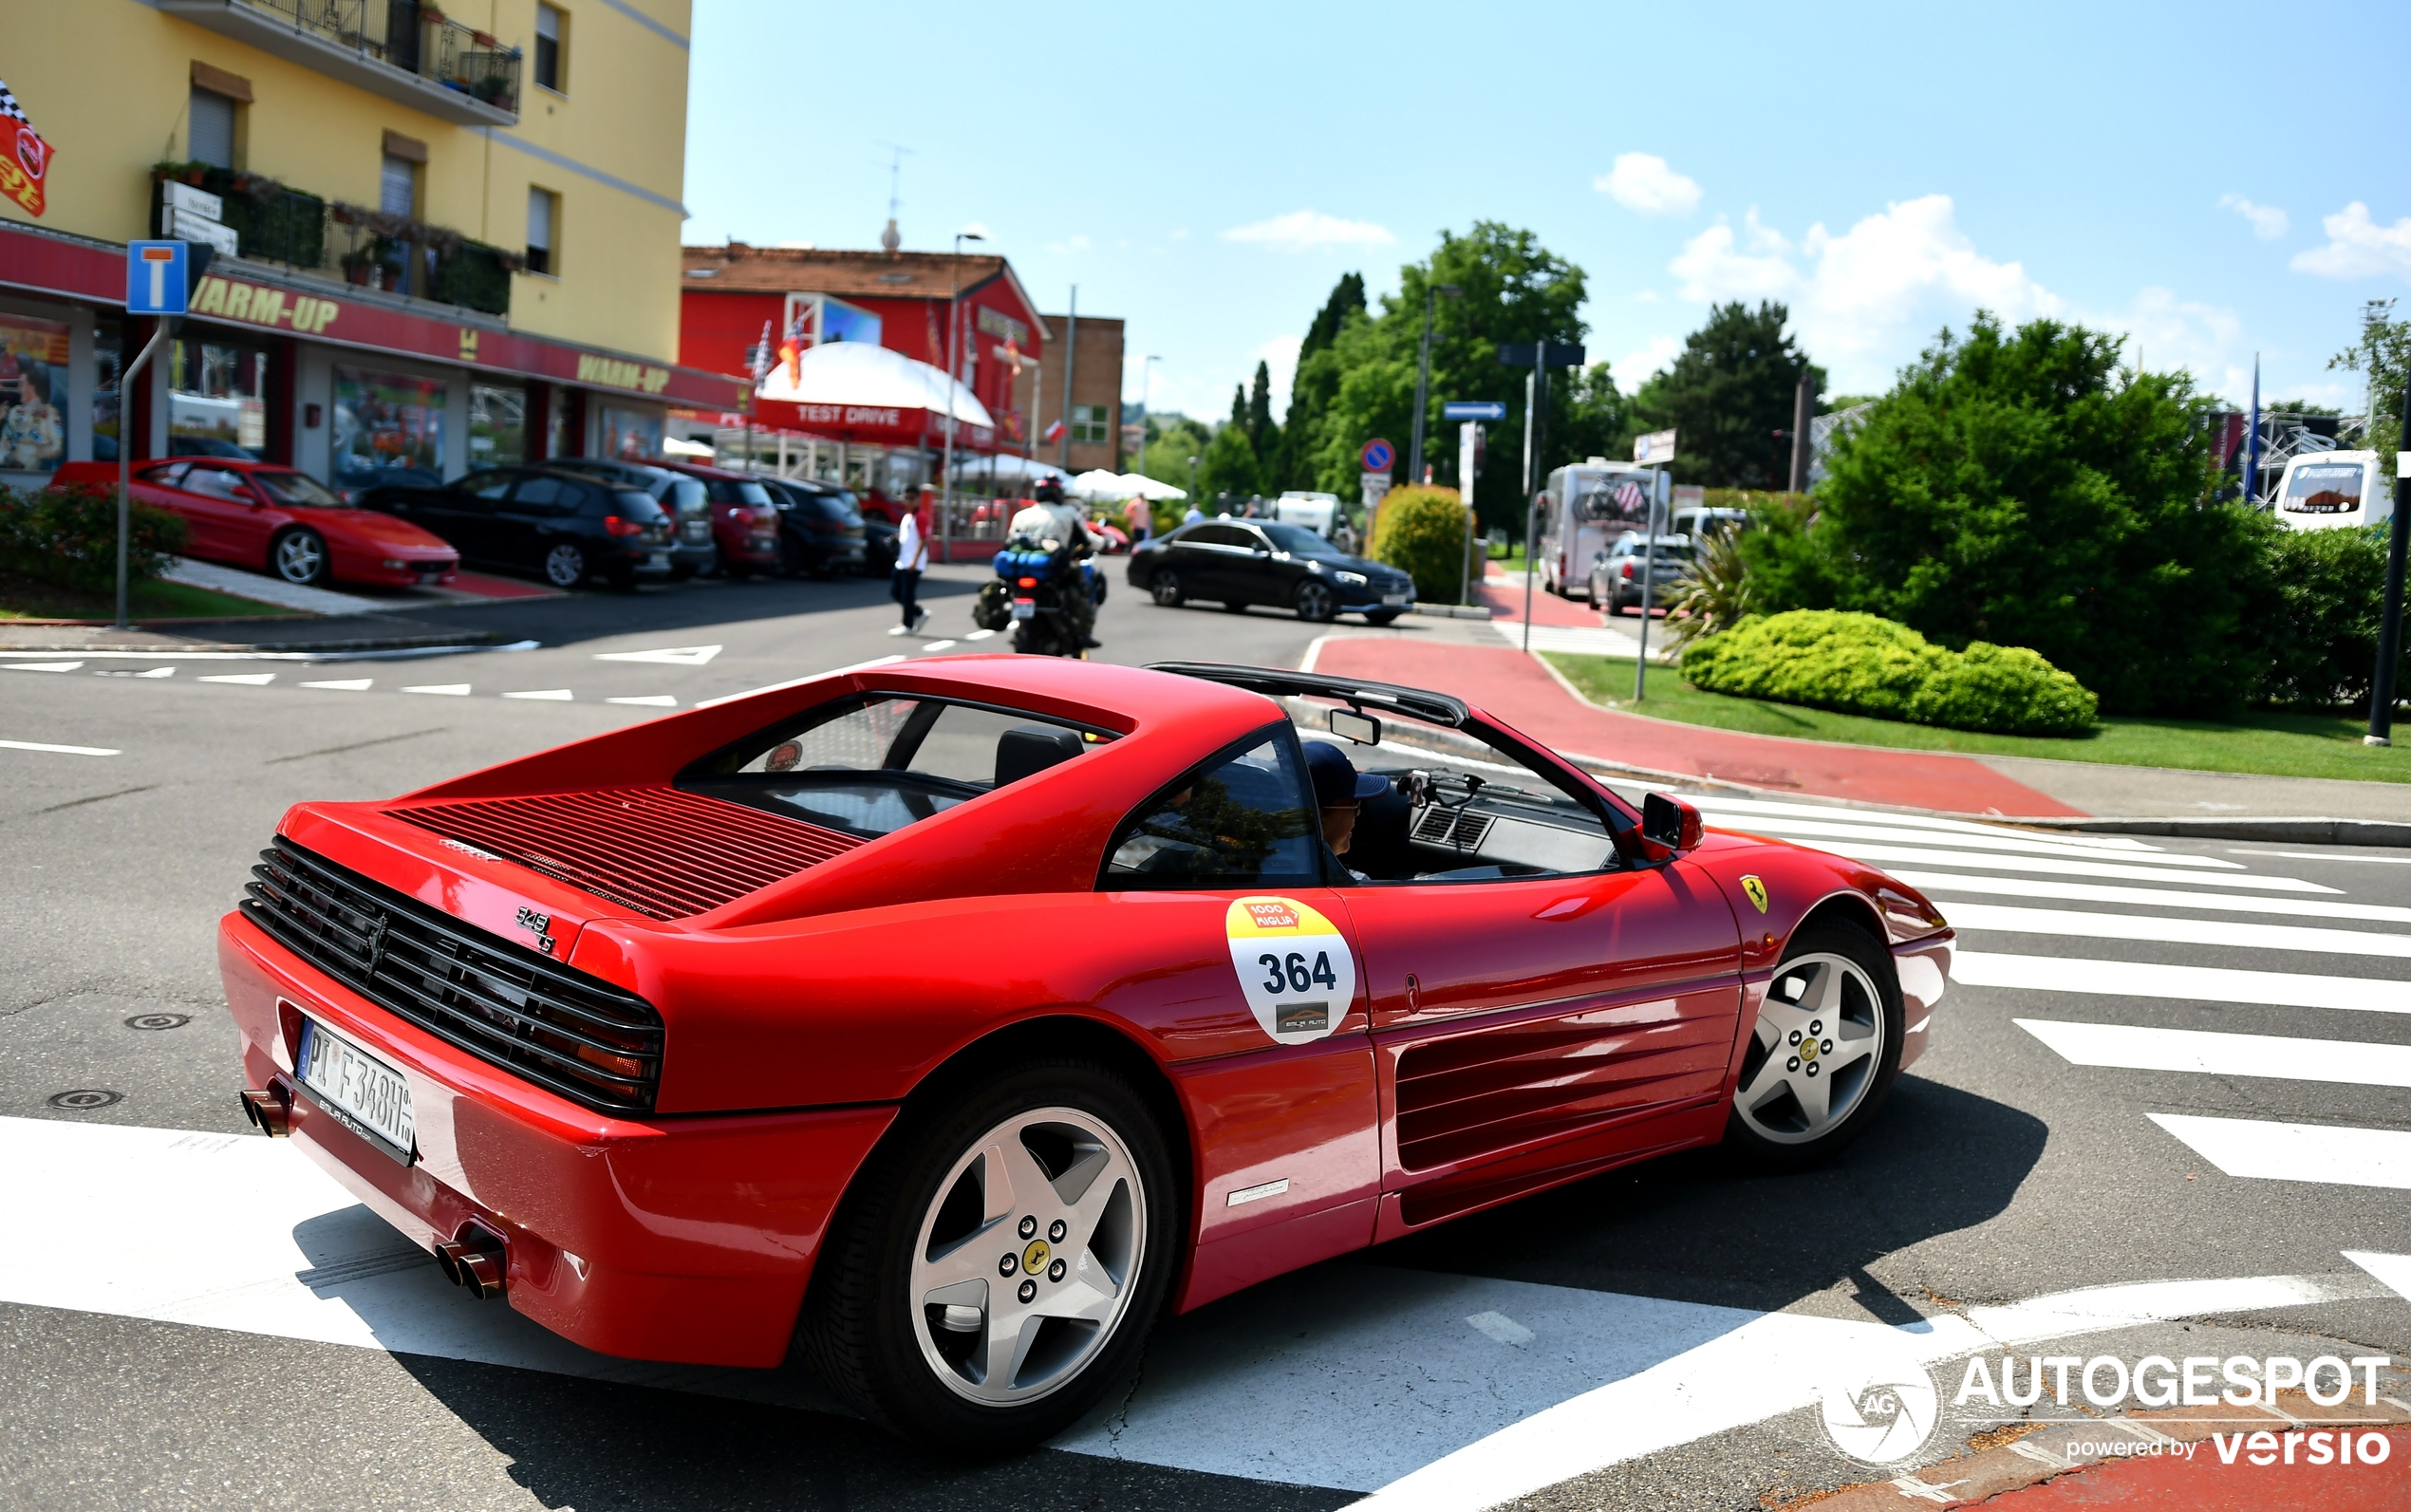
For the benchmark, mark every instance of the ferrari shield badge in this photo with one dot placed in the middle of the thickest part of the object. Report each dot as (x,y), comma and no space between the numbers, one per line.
(1757,892)
(1293,964)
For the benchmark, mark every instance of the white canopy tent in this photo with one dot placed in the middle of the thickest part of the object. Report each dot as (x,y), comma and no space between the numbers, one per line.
(1148,487)
(1099,484)
(861,375)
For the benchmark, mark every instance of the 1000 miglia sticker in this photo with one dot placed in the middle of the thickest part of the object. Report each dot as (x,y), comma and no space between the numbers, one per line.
(1294,966)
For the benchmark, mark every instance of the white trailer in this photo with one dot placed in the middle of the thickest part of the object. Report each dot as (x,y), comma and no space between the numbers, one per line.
(2326,491)
(1584,508)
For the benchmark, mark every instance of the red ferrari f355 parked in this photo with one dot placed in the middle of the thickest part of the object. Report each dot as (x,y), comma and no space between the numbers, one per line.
(957,1019)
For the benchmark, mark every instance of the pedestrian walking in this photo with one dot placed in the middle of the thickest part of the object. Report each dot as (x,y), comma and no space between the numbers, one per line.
(913,555)
(1139,518)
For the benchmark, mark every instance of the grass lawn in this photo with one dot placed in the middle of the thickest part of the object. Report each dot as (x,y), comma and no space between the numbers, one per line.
(23,598)
(2292,745)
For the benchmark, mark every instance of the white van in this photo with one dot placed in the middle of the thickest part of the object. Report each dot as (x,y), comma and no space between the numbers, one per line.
(1318,512)
(1585,508)
(2325,491)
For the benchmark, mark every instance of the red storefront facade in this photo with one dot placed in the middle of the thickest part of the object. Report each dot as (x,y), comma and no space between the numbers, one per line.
(325,376)
(732,293)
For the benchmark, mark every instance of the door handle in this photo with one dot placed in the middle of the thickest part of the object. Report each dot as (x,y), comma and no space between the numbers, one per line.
(1414,994)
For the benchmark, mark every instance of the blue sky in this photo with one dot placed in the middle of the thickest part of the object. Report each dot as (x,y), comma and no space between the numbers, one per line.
(2208,178)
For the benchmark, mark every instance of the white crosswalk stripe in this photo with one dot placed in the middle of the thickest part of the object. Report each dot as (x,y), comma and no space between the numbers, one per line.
(2082,925)
(2276,1151)
(1886,855)
(1948,885)
(2181,983)
(2136,1046)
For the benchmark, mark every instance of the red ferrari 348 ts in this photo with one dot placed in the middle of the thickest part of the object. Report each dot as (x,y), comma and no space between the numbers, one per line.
(957,1019)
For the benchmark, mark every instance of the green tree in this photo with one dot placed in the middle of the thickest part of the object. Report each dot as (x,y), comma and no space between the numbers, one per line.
(2021,489)
(1314,386)
(1512,289)
(1170,447)
(2384,352)
(1730,391)
(1230,465)
(1262,434)
(1596,421)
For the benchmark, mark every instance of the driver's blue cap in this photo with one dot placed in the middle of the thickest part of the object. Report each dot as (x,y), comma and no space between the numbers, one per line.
(1336,779)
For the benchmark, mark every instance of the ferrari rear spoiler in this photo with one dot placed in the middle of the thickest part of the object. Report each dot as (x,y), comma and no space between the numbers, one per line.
(1420,703)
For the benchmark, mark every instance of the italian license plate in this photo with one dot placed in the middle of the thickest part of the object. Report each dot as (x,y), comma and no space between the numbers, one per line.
(1393,598)
(657,559)
(364,1094)
(429,579)
(1025,608)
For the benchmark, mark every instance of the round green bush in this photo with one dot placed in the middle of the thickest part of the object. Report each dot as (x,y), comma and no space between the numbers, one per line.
(1860,663)
(1422,530)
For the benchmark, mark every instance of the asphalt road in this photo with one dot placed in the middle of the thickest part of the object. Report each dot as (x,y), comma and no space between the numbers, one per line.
(2052,1140)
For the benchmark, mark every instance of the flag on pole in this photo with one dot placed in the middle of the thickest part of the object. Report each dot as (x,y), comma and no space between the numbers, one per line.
(1053,433)
(758,361)
(2252,439)
(791,351)
(25,158)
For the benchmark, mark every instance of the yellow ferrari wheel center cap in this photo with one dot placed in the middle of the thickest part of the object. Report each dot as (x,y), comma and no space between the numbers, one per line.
(1034,1259)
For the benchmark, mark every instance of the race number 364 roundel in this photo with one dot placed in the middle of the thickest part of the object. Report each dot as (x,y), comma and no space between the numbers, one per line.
(1294,967)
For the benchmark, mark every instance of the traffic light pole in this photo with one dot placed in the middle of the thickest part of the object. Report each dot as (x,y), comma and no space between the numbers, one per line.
(2390,627)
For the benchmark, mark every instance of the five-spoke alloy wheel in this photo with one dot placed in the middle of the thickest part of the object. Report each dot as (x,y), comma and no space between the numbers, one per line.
(1006,1258)
(1316,603)
(1824,1051)
(1165,588)
(299,558)
(565,566)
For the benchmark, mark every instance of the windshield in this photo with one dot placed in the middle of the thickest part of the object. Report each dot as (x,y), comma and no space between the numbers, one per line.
(298,489)
(2326,488)
(838,508)
(1297,541)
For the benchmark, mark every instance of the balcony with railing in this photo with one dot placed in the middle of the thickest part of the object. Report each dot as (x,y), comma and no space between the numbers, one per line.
(272,223)
(407,51)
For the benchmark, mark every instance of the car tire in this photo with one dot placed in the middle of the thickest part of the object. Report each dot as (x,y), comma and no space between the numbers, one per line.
(926,1218)
(1837,997)
(299,557)
(1315,603)
(1164,586)
(565,565)
(1377,618)
(1614,605)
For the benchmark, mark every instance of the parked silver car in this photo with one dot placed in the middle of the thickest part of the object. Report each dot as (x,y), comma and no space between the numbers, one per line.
(1615,573)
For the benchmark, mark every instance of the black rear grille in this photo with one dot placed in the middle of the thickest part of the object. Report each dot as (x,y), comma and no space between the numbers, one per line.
(562,1030)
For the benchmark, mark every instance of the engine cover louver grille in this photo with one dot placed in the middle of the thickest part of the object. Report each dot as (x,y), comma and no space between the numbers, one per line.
(664,854)
(562,1030)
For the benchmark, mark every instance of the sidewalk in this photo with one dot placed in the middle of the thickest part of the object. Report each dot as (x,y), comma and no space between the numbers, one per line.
(1520,691)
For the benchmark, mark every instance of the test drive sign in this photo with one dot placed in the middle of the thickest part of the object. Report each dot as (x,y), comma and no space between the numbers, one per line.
(25,168)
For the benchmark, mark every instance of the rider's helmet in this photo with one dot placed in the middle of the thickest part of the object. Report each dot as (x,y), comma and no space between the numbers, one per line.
(1048,491)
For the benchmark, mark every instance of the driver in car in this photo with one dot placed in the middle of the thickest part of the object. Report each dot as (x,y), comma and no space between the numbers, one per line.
(1340,790)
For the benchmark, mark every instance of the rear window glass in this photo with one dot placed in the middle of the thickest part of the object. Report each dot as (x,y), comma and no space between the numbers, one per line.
(871,766)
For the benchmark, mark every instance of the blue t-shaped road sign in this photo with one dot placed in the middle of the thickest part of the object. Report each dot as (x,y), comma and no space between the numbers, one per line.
(155,277)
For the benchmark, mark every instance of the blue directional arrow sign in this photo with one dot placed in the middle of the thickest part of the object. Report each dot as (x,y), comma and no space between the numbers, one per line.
(155,278)
(1473,409)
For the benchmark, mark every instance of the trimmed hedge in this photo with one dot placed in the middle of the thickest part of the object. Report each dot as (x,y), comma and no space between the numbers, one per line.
(1422,530)
(1857,664)
(67,536)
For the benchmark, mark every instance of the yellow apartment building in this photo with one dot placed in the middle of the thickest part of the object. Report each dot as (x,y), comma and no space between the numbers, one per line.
(443,234)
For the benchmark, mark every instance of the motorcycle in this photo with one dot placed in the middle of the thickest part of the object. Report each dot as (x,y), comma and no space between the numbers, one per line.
(1028,594)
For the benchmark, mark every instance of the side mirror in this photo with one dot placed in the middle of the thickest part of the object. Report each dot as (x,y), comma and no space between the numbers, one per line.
(1669,828)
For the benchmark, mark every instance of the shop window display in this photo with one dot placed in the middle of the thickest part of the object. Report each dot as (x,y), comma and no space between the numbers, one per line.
(388,429)
(33,385)
(497,425)
(108,358)
(217,400)
(631,435)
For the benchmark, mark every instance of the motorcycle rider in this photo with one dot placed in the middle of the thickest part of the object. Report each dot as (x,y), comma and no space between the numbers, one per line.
(1062,527)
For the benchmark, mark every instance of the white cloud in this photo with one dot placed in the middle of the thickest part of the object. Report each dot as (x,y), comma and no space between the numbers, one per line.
(1641,181)
(1280,355)
(2268,221)
(2359,246)
(1306,229)
(1863,302)
(1634,368)
(1077,244)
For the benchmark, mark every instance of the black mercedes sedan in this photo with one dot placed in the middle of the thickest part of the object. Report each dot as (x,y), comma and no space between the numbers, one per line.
(1236,563)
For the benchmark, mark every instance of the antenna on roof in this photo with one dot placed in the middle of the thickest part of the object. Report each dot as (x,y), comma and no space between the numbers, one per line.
(892,238)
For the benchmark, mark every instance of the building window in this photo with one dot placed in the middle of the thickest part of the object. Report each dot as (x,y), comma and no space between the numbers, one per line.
(548,48)
(33,394)
(497,425)
(217,400)
(544,217)
(398,187)
(1092,422)
(212,128)
(388,429)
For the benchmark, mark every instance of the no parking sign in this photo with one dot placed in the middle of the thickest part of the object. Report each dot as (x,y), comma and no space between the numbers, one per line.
(1377,456)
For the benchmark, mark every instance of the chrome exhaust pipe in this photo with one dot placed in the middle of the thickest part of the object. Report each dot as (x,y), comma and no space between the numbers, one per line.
(267,1110)
(477,1261)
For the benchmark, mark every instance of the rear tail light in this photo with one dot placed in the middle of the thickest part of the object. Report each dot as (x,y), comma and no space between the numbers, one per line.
(1628,571)
(618,526)
(1025,582)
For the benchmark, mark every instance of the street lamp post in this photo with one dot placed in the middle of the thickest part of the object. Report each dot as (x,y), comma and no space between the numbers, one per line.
(954,367)
(1423,381)
(1193,495)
